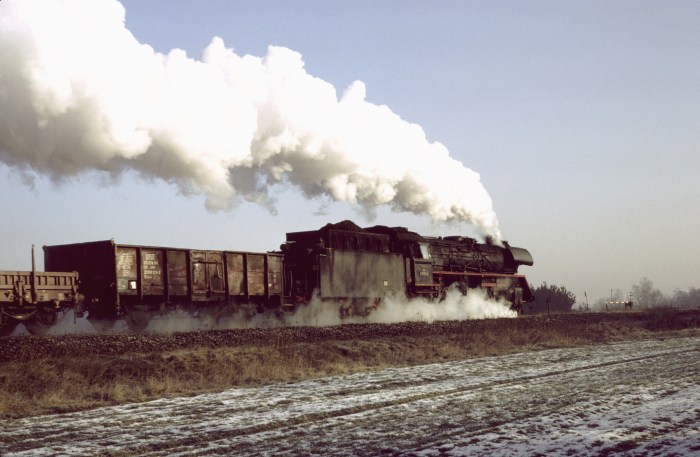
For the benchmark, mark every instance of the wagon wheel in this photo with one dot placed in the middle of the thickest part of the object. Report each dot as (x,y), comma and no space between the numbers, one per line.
(345,309)
(376,303)
(101,324)
(137,319)
(41,322)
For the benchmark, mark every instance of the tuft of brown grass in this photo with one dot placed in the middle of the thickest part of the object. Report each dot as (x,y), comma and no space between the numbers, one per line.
(72,381)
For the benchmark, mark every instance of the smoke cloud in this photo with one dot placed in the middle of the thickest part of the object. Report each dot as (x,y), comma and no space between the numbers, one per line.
(317,313)
(455,306)
(79,93)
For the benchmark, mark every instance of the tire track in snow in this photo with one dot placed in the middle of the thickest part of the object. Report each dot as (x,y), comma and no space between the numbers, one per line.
(554,403)
(272,416)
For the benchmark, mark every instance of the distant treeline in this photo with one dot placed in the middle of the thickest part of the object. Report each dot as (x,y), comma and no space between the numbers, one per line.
(557,299)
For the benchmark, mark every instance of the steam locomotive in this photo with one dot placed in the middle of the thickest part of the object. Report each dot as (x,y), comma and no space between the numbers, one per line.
(352,267)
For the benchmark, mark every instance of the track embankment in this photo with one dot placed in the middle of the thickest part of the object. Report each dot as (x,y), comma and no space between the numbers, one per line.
(75,372)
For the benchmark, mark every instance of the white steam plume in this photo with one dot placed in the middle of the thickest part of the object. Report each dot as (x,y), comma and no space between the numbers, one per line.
(456,306)
(78,92)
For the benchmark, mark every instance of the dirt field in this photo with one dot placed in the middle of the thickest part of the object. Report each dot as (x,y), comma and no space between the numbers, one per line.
(627,398)
(49,375)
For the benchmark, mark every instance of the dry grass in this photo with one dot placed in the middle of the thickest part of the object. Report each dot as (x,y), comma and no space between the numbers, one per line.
(75,382)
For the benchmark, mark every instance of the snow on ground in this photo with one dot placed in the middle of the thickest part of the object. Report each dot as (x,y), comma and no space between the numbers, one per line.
(633,398)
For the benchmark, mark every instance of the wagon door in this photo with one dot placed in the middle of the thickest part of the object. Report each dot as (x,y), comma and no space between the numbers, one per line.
(246,274)
(207,274)
(177,273)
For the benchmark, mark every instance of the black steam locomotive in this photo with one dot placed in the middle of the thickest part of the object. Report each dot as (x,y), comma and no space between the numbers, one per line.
(355,266)
(352,267)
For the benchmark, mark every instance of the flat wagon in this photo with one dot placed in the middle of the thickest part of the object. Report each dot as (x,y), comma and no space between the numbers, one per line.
(35,298)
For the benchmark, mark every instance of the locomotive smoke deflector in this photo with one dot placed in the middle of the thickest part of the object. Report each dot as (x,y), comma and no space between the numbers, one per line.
(521,256)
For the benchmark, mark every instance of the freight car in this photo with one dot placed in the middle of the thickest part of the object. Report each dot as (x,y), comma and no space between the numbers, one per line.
(354,268)
(139,281)
(35,298)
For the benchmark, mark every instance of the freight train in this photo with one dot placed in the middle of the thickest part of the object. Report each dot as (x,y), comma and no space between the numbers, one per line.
(352,267)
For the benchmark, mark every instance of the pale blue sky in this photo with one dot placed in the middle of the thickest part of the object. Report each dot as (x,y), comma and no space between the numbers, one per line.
(583,119)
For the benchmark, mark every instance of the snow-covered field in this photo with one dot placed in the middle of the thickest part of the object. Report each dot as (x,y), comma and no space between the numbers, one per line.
(633,398)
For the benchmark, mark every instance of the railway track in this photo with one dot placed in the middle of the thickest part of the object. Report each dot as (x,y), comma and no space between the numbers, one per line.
(28,347)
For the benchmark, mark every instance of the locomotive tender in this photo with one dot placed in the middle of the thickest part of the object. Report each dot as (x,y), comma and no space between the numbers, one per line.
(352,267)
